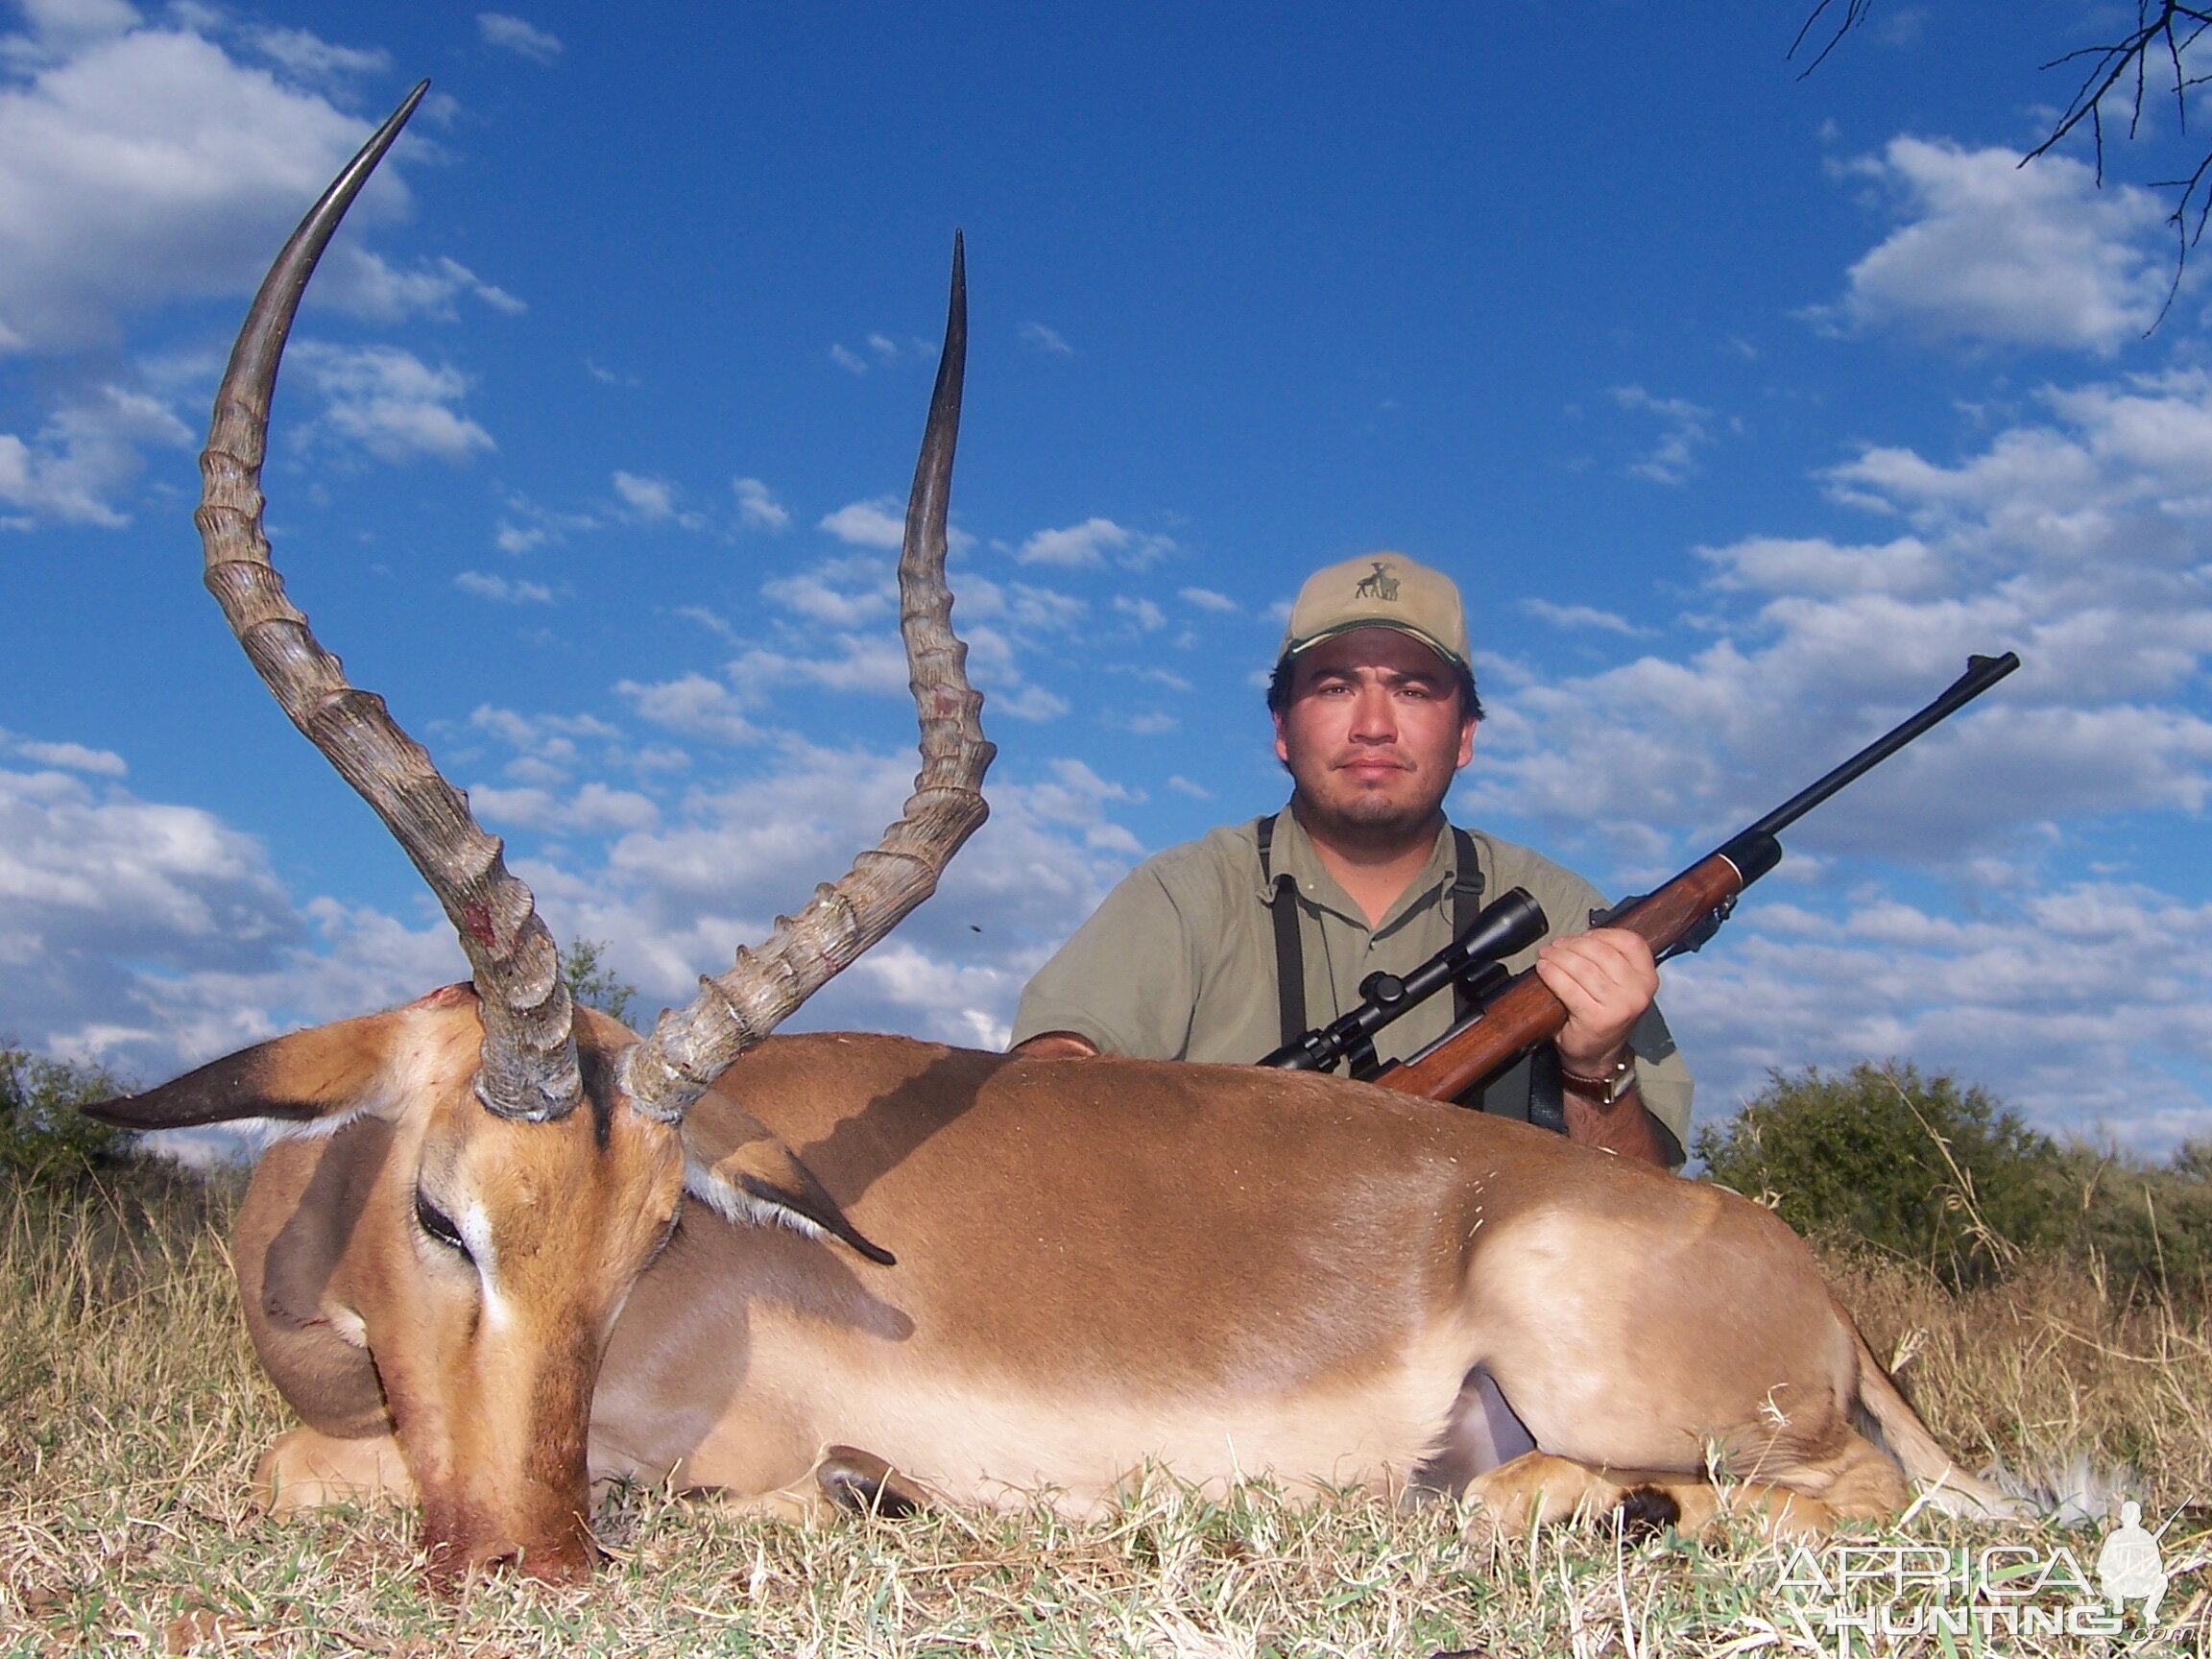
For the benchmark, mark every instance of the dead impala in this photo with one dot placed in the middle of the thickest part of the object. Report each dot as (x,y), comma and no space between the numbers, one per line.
(508,1248)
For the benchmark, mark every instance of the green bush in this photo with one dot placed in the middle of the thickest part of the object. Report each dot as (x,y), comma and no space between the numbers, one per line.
(2147,1227)
(1922,1168)
(592,982)
(1941,1174)
(43,1135)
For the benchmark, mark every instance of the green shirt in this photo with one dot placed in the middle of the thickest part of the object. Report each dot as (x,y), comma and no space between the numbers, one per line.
(1178,963)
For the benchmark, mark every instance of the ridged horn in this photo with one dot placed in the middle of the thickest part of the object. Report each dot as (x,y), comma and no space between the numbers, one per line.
(528,1065)
(690,1047)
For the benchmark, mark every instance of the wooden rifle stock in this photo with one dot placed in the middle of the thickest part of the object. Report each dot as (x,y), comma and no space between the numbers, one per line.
(1526,1013)
(1680,916)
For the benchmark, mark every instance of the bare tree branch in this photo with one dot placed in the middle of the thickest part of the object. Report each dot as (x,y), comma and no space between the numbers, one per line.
(2167,27)
(1854,14)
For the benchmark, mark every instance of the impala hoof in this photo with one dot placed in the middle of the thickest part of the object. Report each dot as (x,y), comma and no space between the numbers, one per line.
(864,1483)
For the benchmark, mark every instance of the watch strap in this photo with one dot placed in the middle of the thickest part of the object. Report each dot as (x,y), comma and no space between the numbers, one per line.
(1608,1089)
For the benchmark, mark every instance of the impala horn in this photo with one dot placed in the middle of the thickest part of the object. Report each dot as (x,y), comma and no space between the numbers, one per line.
(528,1065)
(689,1048)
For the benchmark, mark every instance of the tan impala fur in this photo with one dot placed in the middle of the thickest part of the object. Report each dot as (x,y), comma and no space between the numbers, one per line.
(504,1247)
(1102,1264)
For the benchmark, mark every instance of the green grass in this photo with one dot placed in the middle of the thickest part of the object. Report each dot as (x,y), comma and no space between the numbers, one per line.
(131,1411)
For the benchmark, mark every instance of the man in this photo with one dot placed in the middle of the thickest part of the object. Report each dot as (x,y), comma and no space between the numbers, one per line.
(1222,949)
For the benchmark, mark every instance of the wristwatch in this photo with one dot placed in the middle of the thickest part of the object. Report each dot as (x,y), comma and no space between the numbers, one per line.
(1607,1090)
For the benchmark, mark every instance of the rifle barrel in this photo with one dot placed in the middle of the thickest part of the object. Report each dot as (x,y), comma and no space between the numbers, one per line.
(1981,673)
(1526,1013)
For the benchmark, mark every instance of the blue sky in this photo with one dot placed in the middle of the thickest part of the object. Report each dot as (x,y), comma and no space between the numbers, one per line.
(1743,406)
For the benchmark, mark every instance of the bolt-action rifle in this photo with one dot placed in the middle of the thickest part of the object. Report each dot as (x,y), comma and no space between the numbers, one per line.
(1513,1014)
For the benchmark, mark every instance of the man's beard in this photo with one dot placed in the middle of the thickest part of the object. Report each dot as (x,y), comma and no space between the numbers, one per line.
(1368,815)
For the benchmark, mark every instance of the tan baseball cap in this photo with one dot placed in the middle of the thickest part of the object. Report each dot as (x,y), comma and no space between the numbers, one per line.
(1380,591)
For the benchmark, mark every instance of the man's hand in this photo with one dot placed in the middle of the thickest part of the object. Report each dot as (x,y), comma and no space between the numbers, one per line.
(1606,978)
(1056,1046)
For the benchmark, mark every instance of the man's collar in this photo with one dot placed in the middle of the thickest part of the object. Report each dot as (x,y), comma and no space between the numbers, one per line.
(1294,854)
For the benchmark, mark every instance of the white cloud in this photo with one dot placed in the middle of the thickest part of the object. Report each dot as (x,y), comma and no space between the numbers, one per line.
(1027,613)
(387,401)
(86,453)
(842,592)
(62,24)
(850,362)
(146,166)
(2083,543)
(870,663)
(593,809)
(90,882)
(877,523)
(1206,599)
(694,705)
(157,936)
(1993,250)
(502,590)
(1046,340)
(1024,702)
(311,58)
(537,525)
(1147,617)
(72,756)
(373,288)
(650,498)
(653,501)
(2083,537)
(1580,616)
(1091,543)
(552,746)
(678,899)
(513,35)
(712,621)
(1686,429)
(2044,1000)
(757,508)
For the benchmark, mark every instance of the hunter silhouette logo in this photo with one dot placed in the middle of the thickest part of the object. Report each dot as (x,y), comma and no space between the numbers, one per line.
(1866,1595)
(1378,584)
(2129,1567)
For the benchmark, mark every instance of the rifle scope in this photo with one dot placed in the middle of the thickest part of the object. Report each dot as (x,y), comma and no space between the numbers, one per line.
(1514,922)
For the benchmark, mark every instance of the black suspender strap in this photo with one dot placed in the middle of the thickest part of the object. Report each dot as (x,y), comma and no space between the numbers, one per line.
(1290,948)
(1466,906)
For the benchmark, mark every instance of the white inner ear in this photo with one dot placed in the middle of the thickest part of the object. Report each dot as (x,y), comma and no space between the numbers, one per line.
(732,1202)
(386,1097)
(273,1129)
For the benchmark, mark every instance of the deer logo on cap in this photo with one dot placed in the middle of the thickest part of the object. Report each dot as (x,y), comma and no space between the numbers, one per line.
(1378,584)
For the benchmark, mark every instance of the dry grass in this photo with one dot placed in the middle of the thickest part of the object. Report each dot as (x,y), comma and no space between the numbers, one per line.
(130,1409)
(2046,1376)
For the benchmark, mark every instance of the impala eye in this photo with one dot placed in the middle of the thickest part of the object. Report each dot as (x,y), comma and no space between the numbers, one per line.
(440,1226)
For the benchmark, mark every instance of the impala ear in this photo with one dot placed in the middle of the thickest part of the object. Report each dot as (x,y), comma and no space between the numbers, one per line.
(749,1175)
(320,1076)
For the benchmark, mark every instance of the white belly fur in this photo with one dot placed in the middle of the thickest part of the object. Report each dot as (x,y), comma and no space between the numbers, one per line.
(990,1440)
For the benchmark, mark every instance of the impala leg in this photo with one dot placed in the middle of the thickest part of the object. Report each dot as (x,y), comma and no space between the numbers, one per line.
(844,1481)
(1856,1482)
(306,1469)
(1541,1490)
